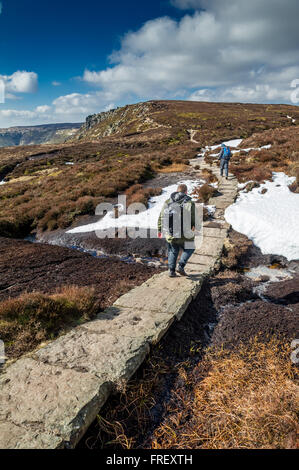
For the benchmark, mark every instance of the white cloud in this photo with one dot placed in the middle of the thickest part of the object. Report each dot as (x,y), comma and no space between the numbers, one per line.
(232,44)
(55,83)
(224,50)
(43,109)
(20,82)
(69,108)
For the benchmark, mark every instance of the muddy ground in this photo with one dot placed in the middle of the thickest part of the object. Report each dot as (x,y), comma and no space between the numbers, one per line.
(228,311)
(28,267)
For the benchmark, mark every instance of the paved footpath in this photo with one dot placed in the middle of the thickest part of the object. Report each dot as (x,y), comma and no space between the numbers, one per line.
(49,398)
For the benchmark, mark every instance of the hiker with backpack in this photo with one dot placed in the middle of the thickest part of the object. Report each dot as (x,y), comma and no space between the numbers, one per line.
(224,157)
(177,223)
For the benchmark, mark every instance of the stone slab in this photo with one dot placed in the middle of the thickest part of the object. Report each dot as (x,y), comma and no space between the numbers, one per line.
(52,406)
(211,246)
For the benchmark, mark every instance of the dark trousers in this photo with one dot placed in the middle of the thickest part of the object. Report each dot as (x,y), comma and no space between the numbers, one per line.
(173,253)
(224,167)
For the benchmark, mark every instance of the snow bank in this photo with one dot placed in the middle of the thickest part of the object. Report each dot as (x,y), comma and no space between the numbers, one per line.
(147,219)
(270,220)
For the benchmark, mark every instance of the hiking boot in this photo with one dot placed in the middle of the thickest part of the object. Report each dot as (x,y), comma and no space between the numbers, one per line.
(181,271)
(172,274)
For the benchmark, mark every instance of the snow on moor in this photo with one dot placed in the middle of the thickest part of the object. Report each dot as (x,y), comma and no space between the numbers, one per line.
(270,220)
(147,219)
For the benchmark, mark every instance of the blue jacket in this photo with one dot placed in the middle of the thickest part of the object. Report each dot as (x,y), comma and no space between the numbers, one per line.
(221,155)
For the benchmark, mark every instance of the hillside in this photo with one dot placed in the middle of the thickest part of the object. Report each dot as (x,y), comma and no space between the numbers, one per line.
(32,135)
(45,187)
(212,121)
(230,383)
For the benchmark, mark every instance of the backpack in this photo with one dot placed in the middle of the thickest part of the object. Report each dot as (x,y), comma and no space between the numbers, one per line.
(226,154)
(173,218)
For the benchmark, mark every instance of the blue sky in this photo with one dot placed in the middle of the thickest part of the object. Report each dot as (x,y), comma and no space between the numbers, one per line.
(62,60)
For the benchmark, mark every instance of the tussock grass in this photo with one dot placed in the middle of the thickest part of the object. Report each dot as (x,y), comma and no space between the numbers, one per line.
(30,319)
(204,193)
(246,398)
(138,194)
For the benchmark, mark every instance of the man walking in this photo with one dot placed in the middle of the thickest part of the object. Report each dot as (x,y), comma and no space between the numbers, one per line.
(177,222)
(224,157)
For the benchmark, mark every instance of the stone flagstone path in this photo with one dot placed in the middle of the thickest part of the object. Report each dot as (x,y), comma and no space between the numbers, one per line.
(49,398)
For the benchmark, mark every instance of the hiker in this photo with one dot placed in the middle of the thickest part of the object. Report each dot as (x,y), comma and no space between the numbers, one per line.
(224,157)
(178,237)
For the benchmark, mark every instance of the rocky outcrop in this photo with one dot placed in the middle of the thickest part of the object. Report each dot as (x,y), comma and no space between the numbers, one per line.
(129,119)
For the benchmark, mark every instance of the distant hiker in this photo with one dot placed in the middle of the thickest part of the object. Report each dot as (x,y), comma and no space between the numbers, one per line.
(177,222)
(224,157)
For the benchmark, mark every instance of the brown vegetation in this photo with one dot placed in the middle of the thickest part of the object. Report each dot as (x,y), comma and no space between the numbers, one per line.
(204,193)
(43,193)
(258,165)
(241,399)
(209,176)
(138,194)
(30,319)
(36,300)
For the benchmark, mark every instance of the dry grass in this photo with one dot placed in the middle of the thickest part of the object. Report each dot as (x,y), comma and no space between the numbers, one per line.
(209,176)
(248,399)
(282,156)
(204,193)
(138,194)
(174,168)
(30,319)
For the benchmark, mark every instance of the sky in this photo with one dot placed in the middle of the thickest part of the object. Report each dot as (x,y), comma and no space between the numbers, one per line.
(63,60)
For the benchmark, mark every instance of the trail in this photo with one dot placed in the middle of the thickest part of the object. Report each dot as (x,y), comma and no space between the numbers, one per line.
(192,133)
(67,382)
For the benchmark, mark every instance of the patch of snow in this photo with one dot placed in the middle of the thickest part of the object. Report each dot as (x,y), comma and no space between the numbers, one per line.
(2,182)
(275,275)
(243,185)
(69,163)
(147,219)
(293,120)
(270,220)
(233,143)
(211,209)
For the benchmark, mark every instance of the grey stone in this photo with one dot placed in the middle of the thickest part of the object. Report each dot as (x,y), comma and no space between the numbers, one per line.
(57,404)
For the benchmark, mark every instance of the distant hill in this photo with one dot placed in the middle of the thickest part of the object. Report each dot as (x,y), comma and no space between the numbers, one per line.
(211,121)
(34,135)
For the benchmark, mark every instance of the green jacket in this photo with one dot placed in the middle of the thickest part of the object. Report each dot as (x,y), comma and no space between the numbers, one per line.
(189,205)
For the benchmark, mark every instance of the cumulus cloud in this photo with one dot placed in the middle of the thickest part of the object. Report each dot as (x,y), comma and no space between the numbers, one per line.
(20,82)
(232,45)
(68,108)
(220,50)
